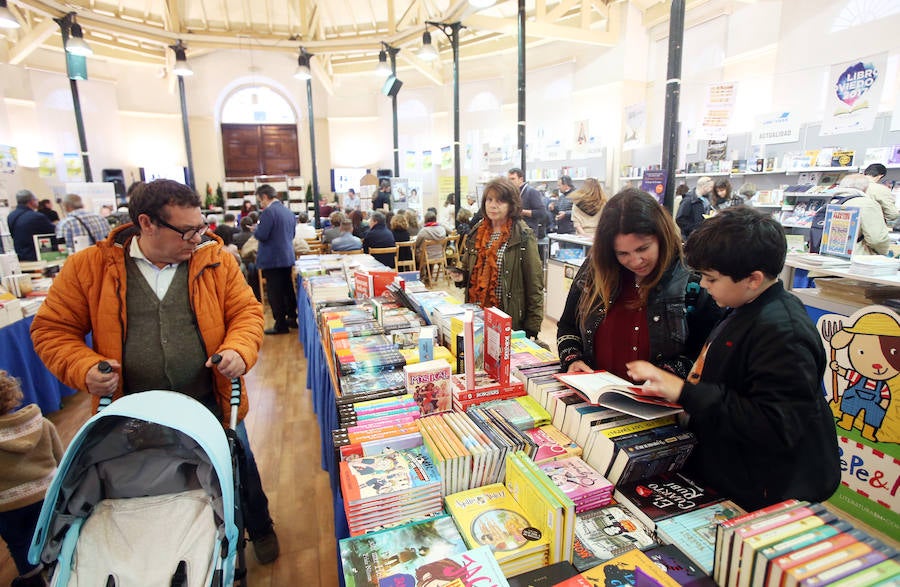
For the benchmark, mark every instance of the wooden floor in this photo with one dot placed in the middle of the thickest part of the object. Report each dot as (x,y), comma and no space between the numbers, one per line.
(285,440)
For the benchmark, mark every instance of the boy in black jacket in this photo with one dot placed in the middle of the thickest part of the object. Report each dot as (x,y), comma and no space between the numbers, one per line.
(753,397)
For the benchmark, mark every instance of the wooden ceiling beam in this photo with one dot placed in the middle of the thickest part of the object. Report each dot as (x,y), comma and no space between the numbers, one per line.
(31,40)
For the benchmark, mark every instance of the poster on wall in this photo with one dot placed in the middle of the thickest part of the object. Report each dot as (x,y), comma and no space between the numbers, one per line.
(717,110)
(446,158)
(399,193)
(867,424)
(46,165)
(74,167)
(775,128)
(654,183)
(582,132)
(410,161)
(635,123)
(426,160)
(854,92)
(8,159)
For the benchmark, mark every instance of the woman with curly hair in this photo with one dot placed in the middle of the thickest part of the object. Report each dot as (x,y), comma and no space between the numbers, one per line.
(588,202)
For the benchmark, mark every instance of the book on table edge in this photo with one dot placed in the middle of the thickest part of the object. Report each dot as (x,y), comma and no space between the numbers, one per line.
(695,532)
(396,472)
(658,451)
(621,571)
(679,566)
(603,443)
(361,556)
(767,555)
(474,568)
(545,576)
(664,496)
(881,574)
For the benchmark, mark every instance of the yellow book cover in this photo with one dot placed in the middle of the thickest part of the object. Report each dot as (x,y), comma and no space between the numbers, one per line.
(440,352)
(621,571)
(489,516)
(540,505)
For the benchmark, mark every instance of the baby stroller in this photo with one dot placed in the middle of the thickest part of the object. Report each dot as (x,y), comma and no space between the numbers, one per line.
(145,495)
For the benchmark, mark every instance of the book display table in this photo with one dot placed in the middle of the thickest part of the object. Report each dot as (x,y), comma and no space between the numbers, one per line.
(18,358)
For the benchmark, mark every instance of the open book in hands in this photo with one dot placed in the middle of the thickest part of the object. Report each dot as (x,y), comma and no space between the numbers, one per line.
(602,388)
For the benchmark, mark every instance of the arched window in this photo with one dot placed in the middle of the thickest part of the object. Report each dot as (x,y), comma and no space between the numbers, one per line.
(257,105)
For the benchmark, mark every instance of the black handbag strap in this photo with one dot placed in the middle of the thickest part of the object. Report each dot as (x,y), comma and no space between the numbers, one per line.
(86,229)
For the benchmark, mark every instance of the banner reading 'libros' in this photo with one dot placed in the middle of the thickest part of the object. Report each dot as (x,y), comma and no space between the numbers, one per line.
(853,96)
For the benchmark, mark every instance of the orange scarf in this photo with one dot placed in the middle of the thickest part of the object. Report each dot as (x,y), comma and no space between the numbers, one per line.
(485,272)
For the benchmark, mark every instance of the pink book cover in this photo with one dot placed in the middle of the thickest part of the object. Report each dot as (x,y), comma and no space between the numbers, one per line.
(381,422)
(576,478)
(429,384)
(497,335)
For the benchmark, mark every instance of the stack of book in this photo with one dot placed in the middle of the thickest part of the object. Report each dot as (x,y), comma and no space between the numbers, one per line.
(658,498)
(522,411)
(371,353)
(378,411)
(390,488)
(501,431)
(587,488)
(695,532)
(364,385)
(796,543)
(874,265)
(366,560)
(464,456)
(605,533)
(551,444)
(323,288)
(484,389)
(490,516)
(544,503)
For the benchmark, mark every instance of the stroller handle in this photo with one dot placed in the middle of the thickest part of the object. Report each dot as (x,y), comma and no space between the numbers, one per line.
(235,393)
(104,367)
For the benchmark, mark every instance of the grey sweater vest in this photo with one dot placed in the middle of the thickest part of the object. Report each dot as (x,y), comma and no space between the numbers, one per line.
(163,346)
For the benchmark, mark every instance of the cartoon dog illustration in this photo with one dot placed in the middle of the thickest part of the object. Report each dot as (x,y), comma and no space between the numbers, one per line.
(873,348)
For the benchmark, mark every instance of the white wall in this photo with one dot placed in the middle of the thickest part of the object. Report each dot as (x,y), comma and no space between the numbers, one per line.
(779,52)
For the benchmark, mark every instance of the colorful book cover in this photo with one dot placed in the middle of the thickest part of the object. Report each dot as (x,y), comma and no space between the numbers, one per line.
(489,516)
(605,533)
(475,568)
(545,576)
(620,571)
(551,444)
(695,532)
(541,505)
(578,480)
(367,558)
(497,332)
(664,496)
(884,574)
(390,473)
(429,384)
(679,566)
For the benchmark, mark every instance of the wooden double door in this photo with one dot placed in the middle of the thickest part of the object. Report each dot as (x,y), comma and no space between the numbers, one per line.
(260,149)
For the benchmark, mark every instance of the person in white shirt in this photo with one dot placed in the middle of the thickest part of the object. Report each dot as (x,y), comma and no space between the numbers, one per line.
(447,214)
(304,229)
(351,201)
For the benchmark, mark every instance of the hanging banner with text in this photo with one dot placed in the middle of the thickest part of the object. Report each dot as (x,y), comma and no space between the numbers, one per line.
(635,123)
(775,128)
(854,92)
(717,111)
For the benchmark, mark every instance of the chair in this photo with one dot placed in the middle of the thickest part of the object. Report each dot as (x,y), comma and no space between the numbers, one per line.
(262,290)
(375,251)
(434,262)
(451,251)
(407,264)
(356,252)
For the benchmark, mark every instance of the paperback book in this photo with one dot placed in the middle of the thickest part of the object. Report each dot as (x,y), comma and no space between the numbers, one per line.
(581,482)
(695,532)
(475,568)
(622,570)
(664,496)
(603,534)
(429,384)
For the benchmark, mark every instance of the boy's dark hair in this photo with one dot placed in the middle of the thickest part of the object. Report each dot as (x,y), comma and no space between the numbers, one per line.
(736,242)
(875,169)
(150,198)
(267,191)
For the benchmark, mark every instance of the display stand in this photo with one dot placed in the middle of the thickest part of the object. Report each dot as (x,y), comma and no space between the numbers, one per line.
(561,272)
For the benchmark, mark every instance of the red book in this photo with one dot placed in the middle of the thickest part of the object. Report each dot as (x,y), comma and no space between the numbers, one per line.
(497,336)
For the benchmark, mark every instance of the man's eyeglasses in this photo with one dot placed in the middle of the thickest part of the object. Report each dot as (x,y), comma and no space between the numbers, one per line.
(186,234)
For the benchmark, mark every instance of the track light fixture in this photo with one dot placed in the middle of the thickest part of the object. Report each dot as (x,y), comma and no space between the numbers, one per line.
(384,68)
(303,72)
(7,18)
(181,67)
(76,44)
(427,52)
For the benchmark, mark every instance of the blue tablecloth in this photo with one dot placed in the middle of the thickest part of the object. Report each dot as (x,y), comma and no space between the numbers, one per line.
(18,358)
(318,381)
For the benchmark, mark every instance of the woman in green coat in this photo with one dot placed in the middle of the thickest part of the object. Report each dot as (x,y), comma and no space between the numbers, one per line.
(500,264)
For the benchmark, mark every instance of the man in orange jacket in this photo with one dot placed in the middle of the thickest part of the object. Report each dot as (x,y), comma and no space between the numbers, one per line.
(160,297)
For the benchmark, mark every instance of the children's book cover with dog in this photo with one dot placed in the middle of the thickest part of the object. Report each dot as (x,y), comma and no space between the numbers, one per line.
(862,386)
